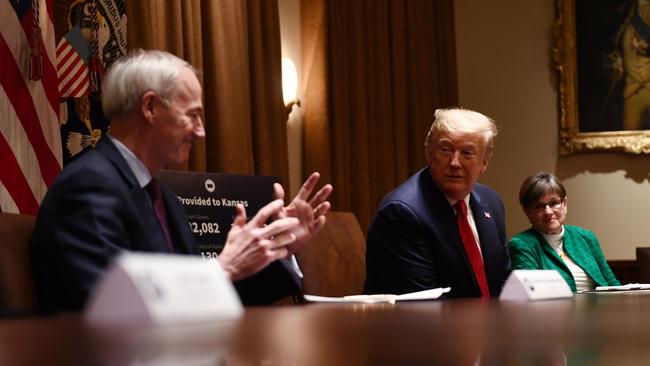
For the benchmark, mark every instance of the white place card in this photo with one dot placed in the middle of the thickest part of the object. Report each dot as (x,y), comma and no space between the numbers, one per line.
(163,289)
(525,284)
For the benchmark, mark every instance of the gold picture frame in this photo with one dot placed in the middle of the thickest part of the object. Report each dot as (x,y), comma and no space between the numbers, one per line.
(564,58)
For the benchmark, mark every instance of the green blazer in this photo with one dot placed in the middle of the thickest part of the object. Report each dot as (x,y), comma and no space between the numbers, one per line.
(529,250)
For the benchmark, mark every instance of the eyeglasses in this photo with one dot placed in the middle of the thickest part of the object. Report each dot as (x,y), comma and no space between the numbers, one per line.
(552,204)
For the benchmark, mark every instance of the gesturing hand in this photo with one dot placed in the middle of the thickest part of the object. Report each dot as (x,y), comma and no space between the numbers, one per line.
(252,246)
(309,212)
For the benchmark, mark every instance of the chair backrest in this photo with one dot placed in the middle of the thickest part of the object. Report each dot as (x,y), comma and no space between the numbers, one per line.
(643,263)
(16,287)
(334,262)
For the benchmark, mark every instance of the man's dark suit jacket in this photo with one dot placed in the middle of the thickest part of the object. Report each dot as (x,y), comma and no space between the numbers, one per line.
(94,210)
(414,243)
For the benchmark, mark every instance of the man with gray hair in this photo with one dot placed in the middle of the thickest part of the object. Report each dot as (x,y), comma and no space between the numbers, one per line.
(106,201)
(441,228)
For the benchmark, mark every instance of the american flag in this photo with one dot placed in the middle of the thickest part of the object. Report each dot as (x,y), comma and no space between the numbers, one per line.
(30,139)
(72,70)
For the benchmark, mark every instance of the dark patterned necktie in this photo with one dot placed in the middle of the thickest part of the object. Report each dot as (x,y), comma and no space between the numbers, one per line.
(471,248)
(153,189)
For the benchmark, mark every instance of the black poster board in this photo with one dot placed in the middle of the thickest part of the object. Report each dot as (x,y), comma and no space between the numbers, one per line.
(210,199)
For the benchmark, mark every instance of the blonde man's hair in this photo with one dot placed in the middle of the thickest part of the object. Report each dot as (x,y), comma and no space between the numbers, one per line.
(463,121)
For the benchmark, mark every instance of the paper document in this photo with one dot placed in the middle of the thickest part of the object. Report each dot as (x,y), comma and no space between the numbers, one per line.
(628,287)
(381,298)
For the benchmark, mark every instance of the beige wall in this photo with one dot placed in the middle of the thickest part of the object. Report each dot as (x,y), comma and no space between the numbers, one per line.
(503,70)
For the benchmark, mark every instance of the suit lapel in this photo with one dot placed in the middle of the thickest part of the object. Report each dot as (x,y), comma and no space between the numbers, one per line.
(550,252)
(178,223)
(582,257)
(487,230)
(488,234)
(108,149)
(443,216)
(153,237)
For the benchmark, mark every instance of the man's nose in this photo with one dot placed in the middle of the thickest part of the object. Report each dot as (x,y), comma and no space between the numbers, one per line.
(455,159)
(199,130)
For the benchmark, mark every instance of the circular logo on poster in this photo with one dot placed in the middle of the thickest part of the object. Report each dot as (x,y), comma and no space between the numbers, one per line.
(209,185)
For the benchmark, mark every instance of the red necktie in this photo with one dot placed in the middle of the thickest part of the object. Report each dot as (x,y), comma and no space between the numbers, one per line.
(153,189)
(471,248)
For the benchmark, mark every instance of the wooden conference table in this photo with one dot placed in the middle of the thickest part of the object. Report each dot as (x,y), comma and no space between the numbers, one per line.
(603,329)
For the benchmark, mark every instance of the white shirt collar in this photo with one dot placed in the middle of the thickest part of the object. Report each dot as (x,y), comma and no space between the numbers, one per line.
(452,202)
(554,240)
(140,171)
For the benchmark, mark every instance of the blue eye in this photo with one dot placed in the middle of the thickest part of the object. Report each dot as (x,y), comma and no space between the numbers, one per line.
(468,154)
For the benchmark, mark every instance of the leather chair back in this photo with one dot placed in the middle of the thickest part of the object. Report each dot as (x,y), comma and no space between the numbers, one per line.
(334,262)
(643,263)
(16,287)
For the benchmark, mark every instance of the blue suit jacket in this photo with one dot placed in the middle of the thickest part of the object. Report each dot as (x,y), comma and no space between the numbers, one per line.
(93,211)
(414,244)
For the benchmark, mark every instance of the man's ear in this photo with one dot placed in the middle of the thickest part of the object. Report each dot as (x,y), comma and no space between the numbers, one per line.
(486,162)
(148,106)
(428,153)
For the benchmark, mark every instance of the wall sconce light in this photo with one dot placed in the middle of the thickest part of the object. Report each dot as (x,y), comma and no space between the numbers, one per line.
(289,83)
(294,123)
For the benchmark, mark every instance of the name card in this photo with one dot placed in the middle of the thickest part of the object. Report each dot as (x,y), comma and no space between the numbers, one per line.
(524,284)
(155,288)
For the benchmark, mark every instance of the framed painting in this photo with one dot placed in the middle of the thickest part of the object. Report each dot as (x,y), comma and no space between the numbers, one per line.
(601,55)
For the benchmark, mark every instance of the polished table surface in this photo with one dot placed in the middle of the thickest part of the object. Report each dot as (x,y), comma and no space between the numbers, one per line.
(589,329)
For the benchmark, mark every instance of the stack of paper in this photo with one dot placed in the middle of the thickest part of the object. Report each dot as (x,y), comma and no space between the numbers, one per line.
(382,298)
(628,287)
